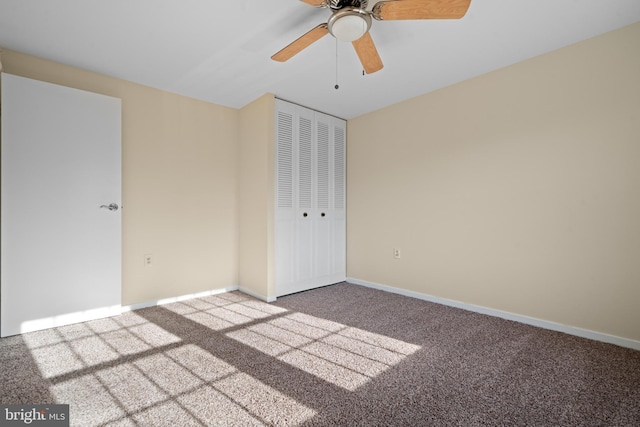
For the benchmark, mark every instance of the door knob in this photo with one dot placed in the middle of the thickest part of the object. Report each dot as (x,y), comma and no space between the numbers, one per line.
(111,207)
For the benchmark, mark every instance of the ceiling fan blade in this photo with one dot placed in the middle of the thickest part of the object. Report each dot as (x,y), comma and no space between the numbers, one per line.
(368,54)
(301,43)
(316,3)
(420,9)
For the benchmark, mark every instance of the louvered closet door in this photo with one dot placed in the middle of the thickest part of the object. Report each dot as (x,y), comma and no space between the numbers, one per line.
(305,214)
(339,202)
(284,216)
(323,214)
(310,199)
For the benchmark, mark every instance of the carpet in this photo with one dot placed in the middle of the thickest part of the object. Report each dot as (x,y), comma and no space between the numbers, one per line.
(338,355)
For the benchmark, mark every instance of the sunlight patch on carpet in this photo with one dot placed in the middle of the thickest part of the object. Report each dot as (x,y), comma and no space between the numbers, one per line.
(341,355)
(181,383)
(67,349)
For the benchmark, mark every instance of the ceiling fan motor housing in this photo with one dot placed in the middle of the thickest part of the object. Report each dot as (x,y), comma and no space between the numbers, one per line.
(349,23)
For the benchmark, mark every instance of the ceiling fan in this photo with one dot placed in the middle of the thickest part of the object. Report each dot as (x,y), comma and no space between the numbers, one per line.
(351,20)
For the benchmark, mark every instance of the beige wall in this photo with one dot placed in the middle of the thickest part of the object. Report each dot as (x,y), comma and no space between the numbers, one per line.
(518,190)
(256,186)
(179,170)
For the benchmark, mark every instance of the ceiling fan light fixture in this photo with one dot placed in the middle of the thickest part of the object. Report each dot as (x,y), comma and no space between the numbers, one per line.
(349,24)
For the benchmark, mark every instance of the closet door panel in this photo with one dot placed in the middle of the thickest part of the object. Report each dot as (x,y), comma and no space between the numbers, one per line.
(285,251)
(323,218)
(339,217)
(284,218)
(305,207)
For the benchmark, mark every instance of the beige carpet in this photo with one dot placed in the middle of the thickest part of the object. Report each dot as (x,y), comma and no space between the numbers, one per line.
(340,355)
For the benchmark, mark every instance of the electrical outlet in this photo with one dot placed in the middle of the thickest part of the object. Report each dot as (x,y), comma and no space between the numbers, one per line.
(148,260)
(396,253)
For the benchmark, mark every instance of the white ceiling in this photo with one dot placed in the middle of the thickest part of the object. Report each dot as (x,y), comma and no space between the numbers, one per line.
(219,51)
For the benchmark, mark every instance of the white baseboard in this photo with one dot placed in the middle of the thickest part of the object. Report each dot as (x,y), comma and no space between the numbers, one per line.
(179,298)
(256,295)
(571,330)
(64,320)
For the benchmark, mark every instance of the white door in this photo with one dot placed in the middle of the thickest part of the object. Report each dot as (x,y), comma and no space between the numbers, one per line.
(285,205)
(339,205)
(305,183)
(61,161)
(323,213)
(310,232)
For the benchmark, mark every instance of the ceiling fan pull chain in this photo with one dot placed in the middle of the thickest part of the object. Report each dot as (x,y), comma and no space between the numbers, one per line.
(337,86)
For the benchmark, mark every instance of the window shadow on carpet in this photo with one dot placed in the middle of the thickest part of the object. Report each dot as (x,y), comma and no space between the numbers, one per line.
(227,359)
(341,355)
